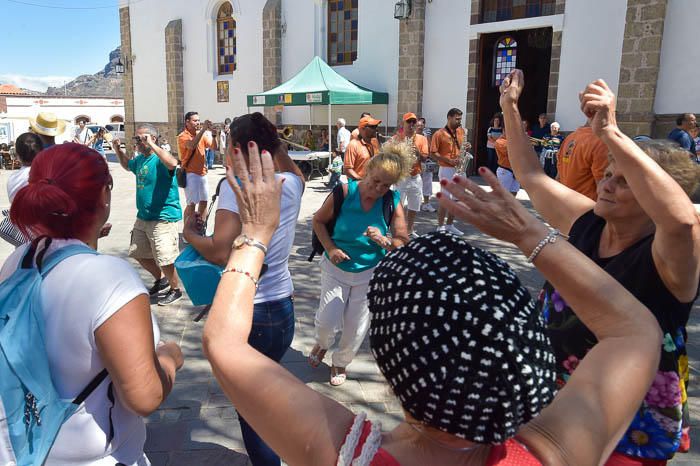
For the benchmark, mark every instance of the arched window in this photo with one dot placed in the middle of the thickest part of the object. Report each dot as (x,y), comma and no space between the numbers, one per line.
(504,58)
(226,40)
(342,32)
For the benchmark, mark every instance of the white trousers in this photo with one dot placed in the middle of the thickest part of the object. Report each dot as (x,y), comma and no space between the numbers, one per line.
(342,308)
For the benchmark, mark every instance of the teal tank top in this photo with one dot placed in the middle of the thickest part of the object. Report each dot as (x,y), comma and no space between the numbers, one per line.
(350,227)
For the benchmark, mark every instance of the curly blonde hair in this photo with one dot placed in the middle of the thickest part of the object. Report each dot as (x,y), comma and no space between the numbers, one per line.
(674,161)
(394,158)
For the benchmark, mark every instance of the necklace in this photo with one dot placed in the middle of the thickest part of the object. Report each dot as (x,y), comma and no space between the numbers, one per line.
(439,443)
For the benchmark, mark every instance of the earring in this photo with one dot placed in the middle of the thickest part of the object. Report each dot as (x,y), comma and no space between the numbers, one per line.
(107,204)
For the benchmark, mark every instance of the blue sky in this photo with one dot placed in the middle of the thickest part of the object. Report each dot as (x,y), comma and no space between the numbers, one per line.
(44,46)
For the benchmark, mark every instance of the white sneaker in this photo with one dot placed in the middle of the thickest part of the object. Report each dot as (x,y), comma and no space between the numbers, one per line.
(454,230)
(427,208)
(442,229)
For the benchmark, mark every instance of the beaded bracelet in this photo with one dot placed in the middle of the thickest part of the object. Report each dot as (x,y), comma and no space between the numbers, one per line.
(241,271)
(549,239)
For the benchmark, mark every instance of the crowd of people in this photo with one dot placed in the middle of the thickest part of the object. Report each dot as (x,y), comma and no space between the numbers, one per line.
(592,371)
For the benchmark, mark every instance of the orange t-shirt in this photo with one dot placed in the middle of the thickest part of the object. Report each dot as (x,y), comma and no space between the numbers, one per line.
(582,161)
(442,143)
(422,150)
(198,163)
(501,147)
(358,153)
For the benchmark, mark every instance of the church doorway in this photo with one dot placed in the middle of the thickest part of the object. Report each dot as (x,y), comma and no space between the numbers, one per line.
(529,50)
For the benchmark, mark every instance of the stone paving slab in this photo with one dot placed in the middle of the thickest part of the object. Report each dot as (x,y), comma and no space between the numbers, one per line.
(198,425)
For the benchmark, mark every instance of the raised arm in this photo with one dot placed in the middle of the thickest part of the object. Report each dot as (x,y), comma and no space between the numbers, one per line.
(676,246)
(589,415)
(123,157)
(559,205)
(264,392)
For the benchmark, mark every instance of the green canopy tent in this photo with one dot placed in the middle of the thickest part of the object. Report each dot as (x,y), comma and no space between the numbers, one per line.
(318,84)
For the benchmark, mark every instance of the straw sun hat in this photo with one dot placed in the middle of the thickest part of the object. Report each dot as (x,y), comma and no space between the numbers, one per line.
(47,124)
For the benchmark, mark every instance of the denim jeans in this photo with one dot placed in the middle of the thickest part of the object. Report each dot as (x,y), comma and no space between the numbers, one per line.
(210,158)
(272,333)
(334,180)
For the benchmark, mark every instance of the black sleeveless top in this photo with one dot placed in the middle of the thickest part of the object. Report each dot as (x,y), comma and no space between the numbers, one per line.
(656,429)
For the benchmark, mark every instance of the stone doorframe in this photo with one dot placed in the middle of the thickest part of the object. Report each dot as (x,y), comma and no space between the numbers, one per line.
(556,22)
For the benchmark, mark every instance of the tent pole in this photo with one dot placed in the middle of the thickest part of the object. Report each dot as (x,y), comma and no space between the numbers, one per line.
(330,139)
(386,120)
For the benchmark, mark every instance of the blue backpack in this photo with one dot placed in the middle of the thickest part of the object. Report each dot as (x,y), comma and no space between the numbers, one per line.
(31,411)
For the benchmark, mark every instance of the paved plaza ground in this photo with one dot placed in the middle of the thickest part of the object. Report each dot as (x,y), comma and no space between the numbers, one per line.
(198,425)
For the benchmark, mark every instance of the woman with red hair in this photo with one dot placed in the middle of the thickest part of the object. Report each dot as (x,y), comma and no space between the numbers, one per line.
(92,305)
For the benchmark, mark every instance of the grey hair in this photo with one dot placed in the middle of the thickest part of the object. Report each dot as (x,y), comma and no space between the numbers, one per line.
(152,130)
(554,123)
(341,121)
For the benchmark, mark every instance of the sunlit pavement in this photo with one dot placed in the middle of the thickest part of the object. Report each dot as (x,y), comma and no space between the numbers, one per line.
(198,425)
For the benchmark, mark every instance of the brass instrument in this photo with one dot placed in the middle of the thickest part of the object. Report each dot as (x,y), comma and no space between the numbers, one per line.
(465,157)
(286,133)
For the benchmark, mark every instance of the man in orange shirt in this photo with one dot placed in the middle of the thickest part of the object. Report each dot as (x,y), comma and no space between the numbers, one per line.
(355,134)
(192,146)
(504,172)
(359,151)
(582,161)
(445,147)
(411,188)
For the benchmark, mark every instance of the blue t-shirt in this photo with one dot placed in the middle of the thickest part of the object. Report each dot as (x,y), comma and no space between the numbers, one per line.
(98,145)
(157,195)
(682,138)
(350,227)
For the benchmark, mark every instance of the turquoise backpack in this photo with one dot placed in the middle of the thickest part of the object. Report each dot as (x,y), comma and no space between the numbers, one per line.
(31,411)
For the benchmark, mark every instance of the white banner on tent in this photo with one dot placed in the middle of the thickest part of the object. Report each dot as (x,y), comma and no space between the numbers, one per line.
(258,100)
(314,98)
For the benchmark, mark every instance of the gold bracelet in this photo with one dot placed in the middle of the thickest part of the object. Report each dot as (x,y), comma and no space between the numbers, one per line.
(241,271)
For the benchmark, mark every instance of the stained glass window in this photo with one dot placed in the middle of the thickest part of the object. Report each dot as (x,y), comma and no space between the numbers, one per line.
(504,59)
(342,32)
(503,10)
(225,40)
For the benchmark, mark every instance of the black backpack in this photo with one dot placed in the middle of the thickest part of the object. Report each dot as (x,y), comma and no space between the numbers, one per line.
(338,199)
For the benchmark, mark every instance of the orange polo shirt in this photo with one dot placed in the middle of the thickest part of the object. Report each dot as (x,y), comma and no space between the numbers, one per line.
(198,163)
(582,161)
(443,144)
(422,150)
(501,146)
(358,153)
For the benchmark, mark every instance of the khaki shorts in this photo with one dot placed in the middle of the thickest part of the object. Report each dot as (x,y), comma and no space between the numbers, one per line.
(155,239)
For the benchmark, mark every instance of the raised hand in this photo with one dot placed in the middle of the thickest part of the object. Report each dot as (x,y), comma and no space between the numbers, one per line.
(511,88)
(257,190)
(375,235)
(598,104)
(496,213)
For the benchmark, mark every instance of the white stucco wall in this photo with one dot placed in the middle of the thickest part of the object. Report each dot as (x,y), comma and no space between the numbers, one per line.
(446,58)
(377,61)
(591,48)
(148,22)
(676,90)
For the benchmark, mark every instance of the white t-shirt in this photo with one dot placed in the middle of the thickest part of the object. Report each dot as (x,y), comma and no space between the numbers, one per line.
(343,138)
(78,296)
(16,181)
(84,135)
(277,281)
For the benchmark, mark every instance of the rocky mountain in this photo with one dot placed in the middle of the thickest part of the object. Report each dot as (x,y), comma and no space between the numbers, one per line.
(104,83)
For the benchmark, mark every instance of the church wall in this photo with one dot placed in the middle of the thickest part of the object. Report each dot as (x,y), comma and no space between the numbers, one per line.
(591,48)
(677,90)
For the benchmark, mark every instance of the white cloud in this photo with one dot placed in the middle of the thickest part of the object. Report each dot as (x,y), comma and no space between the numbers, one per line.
(35,83)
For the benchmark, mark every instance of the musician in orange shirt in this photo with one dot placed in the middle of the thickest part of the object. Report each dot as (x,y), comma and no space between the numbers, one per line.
(359,151)
(445,148)
(504,172)
(582,161)
(411,188)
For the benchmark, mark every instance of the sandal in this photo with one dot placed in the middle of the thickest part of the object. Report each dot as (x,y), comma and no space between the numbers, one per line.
(338,377)
(316,356)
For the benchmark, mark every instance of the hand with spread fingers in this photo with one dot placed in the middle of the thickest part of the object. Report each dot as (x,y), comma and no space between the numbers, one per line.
(258,192)
(598,104)
(496,213)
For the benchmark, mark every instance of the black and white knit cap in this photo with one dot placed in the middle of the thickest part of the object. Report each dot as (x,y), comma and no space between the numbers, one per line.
(458,339)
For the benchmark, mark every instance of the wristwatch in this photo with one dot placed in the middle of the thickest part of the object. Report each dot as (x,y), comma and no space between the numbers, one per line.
(244,240)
